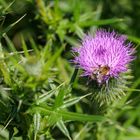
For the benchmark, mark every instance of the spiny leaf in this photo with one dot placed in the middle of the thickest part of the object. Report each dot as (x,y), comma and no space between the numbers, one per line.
(67,115)
(100,22)
(63,128)
(48,94)
(4,31)
(60,97)
(53,118)
(34,46)
(37,120)
(24,46)
(73,101)
(50,62)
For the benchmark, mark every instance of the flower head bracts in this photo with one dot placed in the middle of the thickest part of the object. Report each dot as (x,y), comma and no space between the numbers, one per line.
(103,56)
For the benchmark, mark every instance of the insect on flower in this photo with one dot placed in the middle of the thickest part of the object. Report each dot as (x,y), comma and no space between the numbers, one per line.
(100,73)
(103,56)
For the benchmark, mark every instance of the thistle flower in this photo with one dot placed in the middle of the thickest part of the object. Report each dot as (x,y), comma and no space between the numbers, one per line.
(104,56)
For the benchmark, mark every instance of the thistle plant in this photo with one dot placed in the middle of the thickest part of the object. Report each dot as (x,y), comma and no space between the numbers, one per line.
(104,59)
(41,97)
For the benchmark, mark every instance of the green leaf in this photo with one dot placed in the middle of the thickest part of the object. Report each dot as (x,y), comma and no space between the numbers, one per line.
(50,62)
(10,44)
(77,10)
(48,94)
(59,98)
(53,118)
(73,101)
(71,116)
(80,117)
(134,39)
(73,77)
(79,31)
(4,68)
(8,7)
(4,31)
(24,46)
(100,22)
(34,46)
(62,66)
(63,128)
(72,41)
(37,119)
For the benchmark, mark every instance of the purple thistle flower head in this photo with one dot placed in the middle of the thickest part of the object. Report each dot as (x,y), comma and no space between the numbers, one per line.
(103,56)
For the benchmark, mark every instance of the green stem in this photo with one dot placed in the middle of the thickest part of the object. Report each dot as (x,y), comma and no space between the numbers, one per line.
(73,76)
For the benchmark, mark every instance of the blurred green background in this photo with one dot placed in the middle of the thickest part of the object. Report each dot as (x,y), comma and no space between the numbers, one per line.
(61,24)
(65,21)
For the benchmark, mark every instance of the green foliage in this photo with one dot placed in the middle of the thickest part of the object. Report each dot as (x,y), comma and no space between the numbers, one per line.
(41,95)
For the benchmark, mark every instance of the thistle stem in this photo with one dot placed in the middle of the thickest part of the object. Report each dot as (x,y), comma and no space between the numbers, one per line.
(73,77)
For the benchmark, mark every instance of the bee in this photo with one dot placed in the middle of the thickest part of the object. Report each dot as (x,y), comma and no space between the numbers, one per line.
(99,73)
